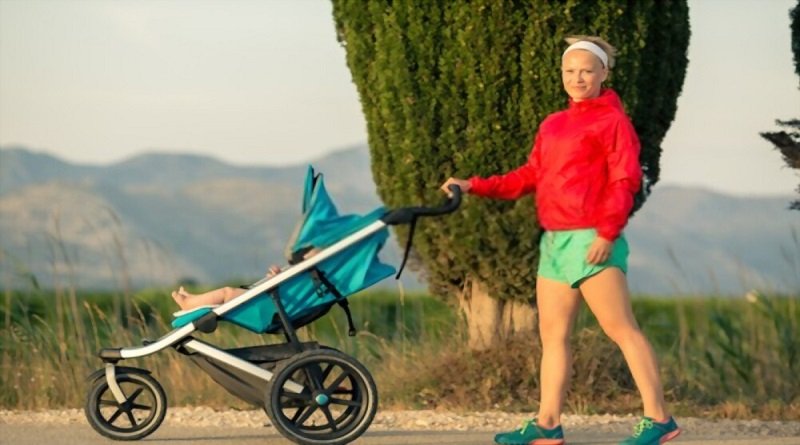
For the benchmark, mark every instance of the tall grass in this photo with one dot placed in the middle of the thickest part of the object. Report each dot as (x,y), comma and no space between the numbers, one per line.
(729,357)
(719,356)
(49,341)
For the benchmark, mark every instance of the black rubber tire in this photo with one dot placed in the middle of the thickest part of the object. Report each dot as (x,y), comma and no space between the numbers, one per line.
(138,387)
(340,378)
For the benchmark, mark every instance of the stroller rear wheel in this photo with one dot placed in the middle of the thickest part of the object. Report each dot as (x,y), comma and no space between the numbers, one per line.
(336,406)
(141,413)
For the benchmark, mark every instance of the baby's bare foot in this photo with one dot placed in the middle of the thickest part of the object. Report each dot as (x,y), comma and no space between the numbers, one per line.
(180,299)
(185,294)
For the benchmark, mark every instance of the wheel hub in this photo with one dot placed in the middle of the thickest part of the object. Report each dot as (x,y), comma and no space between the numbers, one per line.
(322,399)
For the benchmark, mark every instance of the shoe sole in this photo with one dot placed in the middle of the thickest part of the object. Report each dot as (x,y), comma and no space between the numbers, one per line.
(547,442)
(669,436)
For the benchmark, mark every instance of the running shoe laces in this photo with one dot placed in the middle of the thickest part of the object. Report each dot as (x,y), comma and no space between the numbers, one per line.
(525,425)
(642,426)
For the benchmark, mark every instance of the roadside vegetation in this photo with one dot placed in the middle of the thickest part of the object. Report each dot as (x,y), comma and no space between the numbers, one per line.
(720,357)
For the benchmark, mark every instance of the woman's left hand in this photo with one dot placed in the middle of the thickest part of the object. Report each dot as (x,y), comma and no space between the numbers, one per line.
(599,251)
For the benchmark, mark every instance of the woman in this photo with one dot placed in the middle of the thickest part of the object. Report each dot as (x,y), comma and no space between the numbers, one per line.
(585,170)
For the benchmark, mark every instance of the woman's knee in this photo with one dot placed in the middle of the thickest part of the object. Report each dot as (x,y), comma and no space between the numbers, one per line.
(552,333)
(623,332)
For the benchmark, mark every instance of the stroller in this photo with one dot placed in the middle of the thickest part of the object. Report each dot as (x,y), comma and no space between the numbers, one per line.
(312,394)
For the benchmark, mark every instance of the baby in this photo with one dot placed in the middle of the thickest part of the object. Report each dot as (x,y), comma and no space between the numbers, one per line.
(188,300)
(222,295)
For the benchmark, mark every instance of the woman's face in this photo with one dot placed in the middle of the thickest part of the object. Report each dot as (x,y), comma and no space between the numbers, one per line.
(583,73)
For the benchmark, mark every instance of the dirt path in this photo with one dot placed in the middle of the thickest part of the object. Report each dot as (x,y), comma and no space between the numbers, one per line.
(191,425)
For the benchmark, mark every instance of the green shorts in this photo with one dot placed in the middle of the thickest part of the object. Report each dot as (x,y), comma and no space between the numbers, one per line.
(562,256)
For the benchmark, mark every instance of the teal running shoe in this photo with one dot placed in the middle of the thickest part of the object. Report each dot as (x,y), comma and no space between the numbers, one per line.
(650,432)
(531,434)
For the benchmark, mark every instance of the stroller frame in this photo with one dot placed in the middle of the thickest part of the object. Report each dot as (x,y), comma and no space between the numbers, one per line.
(267,375)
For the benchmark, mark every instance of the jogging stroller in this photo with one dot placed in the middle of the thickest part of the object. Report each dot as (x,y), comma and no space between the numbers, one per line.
(311,393)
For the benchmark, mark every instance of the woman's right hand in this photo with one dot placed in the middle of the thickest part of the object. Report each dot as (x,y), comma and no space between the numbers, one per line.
(461,183)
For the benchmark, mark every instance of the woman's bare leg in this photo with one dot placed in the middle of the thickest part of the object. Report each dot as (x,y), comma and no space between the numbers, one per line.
(558,304)
(217,296)
(608,297)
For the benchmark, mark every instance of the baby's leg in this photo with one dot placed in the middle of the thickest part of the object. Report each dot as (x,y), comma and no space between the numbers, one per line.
(217,296)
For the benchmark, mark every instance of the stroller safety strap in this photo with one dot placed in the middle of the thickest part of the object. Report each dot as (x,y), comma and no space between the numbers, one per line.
(319,276)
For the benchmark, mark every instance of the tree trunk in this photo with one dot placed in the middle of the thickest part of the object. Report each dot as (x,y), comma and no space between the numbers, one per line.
(491,321)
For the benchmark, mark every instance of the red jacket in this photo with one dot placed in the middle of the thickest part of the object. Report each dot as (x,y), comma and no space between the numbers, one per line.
(584,168)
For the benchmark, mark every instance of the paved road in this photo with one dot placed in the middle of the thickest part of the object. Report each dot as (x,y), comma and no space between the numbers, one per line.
(82,434)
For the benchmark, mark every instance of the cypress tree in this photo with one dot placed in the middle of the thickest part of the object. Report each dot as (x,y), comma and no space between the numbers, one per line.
(458,88)
(788,142)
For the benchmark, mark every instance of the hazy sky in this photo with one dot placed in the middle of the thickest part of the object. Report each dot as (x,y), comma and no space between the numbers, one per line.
(265,82)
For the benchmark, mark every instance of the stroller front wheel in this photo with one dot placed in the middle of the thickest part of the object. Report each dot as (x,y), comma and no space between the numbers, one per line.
(336,406)
(141,413)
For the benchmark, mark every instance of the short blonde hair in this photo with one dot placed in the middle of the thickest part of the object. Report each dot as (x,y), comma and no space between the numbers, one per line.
(599,41)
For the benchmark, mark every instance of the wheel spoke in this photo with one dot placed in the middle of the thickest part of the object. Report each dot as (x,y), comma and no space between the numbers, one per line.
(336,401)
(131,418)
(306,415)
(299,401)
(343,391)
(331,422)
(293,404)
(326,372)
(108,403)
(138,406)
(115,415)
(312,373)
(296,396)
(297,415)
(340,379)
(135,394)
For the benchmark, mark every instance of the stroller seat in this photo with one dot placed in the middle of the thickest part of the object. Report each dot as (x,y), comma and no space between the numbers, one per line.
(310,294)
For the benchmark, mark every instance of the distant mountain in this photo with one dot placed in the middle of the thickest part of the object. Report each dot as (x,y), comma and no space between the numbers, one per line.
(158,218)
(20,167)
(688,240)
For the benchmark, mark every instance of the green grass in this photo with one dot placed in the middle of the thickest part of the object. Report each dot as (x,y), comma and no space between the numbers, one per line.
(718,356)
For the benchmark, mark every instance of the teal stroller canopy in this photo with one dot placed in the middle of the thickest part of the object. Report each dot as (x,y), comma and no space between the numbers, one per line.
(321,225)
(309,295)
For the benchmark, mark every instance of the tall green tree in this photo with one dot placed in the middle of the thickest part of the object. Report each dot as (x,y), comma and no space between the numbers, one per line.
(458,88)
(788,141)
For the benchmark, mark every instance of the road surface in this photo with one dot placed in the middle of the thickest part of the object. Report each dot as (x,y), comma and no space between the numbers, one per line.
(83,434)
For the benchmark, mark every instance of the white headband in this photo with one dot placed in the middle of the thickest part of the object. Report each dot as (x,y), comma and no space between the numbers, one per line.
(588,46)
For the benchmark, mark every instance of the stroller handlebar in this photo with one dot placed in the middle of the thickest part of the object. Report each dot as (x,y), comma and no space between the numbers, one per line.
(406,215)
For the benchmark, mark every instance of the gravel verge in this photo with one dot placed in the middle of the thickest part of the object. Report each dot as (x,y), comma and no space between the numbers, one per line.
(427,420)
